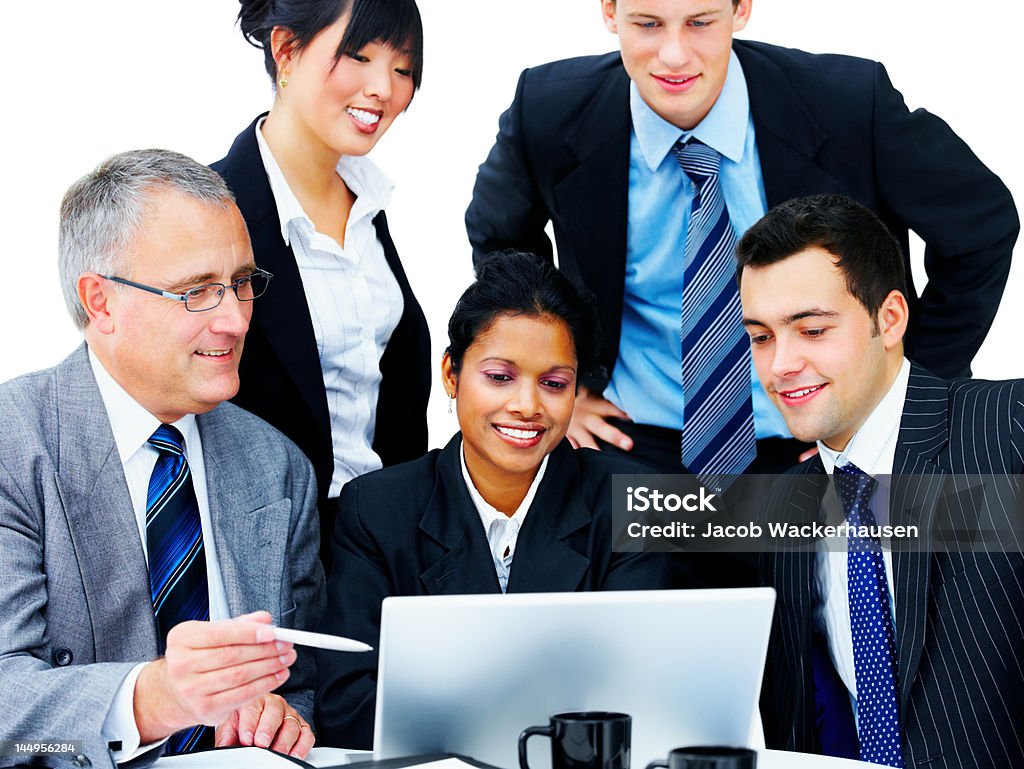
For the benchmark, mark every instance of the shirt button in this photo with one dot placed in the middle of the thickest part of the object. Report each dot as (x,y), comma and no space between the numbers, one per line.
(63,657)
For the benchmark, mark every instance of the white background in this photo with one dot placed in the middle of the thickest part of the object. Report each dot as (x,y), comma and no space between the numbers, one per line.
(84,80)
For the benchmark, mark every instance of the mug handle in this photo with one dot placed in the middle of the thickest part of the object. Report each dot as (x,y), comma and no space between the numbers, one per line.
(531,731)
(658,765)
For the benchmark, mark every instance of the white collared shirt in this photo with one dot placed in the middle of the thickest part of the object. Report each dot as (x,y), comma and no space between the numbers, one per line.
(873,450)
(132,427)
(354,301)
(502,530)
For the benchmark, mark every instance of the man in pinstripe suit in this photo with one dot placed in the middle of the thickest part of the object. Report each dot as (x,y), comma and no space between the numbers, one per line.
(822,286)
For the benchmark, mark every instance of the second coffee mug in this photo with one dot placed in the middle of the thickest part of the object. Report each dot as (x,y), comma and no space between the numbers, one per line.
(708,757)
(584,740)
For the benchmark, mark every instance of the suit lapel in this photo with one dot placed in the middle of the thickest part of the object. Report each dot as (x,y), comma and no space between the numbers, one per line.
(250,531)
(592,201)
(794,578)
(544,561)
(101,519)
(282,314)
(788,136)
(380,225)
(451,520)
(918,484)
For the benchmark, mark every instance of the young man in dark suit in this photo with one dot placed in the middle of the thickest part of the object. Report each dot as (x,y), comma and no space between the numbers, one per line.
(598,147)
(883,650)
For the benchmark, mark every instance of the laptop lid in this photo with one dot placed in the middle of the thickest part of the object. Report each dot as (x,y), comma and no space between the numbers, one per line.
(466,674)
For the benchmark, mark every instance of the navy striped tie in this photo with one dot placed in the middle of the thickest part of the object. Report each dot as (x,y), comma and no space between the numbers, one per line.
(177,558)
(718,417)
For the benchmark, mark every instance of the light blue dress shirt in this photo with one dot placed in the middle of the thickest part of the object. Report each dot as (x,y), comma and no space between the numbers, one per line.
(647,380)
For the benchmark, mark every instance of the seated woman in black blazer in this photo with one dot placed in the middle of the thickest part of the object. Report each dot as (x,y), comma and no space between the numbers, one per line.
(338,354)
(506,506)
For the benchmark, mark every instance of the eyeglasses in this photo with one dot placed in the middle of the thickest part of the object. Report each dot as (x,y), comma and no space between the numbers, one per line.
(209,296)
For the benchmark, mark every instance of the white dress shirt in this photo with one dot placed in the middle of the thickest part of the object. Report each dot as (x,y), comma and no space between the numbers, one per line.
(502,530)
(132,427)
(873,450)
(354,300)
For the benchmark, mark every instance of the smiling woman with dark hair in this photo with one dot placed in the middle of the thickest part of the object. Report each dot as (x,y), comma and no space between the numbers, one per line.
(506,506)
(337,357)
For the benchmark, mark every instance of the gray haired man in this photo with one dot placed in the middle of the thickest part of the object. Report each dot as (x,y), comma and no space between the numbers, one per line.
(139,512)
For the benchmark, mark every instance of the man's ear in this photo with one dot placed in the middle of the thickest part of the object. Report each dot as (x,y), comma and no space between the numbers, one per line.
(893,316)
(608,13)
(95,294)
(741,15)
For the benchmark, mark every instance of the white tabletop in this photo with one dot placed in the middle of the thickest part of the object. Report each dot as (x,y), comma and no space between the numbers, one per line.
(782,759)
(766,759)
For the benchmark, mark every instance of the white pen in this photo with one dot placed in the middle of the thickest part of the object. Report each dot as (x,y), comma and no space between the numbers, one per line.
(320,640)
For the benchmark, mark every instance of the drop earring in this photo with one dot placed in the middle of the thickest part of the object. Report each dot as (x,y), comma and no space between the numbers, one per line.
(451,400)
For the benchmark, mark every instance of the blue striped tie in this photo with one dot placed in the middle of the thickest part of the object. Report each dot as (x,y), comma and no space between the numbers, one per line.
(874,637)
(177,558)
(718,418)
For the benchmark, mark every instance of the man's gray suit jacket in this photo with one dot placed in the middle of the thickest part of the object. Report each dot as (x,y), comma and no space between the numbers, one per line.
(75,607)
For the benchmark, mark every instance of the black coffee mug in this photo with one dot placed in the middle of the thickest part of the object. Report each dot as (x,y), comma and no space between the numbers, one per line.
(586,740)
(708,757)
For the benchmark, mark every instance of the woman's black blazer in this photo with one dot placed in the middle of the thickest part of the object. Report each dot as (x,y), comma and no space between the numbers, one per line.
(413,530)
(281,380)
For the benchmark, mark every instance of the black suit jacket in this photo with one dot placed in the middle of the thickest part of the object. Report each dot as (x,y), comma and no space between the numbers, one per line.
(824,123)
(280,368)
(959,616)
(413,530)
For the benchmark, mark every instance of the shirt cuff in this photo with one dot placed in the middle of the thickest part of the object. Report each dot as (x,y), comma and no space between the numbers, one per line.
(120,726)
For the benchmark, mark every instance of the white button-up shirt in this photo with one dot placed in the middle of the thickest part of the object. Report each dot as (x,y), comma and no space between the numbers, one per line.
(354,301)
(132,427)
(502,530)
(873,450)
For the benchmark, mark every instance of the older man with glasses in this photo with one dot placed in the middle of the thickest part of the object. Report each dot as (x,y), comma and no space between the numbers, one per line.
(151,534)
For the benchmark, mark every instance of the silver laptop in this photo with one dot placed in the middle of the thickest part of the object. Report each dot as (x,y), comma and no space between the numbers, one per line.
(466,674)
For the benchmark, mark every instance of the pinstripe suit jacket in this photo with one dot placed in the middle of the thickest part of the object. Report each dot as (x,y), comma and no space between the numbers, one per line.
(959,616)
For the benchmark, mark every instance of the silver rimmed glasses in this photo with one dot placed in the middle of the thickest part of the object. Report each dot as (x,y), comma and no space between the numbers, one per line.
(209,295)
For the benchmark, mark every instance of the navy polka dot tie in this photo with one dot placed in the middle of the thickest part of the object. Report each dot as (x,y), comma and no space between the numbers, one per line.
(874,638)
(177,558)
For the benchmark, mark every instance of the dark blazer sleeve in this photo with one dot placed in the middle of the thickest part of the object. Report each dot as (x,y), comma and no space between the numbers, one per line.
(614,570)
(400,432)
(637,571)
(359,583)
(828,123)
(507,210)
(933,183)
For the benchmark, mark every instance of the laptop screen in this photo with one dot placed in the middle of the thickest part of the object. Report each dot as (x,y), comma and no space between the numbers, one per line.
(466,674)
